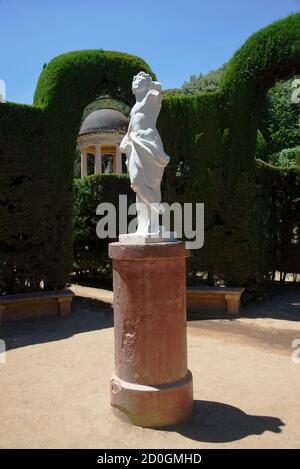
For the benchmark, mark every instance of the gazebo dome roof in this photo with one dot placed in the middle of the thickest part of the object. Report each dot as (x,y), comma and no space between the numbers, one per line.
(104,121)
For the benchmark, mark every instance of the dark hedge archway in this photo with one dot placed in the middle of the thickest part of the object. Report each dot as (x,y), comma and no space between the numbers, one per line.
(213,144)
(37,147)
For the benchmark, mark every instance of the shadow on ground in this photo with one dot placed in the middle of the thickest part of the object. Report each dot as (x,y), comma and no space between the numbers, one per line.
(87,315)
(281,302)
(215,422)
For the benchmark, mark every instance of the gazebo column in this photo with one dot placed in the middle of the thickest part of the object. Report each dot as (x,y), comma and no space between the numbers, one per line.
(83,163)
(118,159)
(98,163)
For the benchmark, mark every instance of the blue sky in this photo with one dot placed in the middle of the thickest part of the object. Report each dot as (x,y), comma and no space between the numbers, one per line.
(176,38)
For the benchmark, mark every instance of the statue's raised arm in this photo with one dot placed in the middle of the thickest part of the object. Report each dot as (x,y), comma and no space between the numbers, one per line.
(145,155)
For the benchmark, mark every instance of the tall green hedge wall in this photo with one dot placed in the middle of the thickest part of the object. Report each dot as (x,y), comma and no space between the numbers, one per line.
(90,252)
(214,142)
(211,140)
(37,147)
(278,213)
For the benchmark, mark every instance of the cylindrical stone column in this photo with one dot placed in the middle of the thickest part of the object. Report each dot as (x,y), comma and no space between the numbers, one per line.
(118,159)
(83,163)
(98,160)
(152,385)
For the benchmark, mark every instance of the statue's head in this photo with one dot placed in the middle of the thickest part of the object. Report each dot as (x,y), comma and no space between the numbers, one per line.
(142,83)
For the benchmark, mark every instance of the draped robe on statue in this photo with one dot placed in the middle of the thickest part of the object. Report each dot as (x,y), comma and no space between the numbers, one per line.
(144,150)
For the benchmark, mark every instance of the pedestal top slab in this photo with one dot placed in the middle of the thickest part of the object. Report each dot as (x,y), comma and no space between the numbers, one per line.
(164,250)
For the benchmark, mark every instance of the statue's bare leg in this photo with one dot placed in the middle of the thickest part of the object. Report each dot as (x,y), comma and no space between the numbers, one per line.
(148,219)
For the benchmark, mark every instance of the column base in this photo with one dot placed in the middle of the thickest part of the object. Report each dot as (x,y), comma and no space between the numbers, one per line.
(152,406)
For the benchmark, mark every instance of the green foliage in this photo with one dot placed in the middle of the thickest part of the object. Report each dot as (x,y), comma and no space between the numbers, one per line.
(106,103)
(211,138)
(213,146)
(37,148)
(278,212)
(90,252)
(171,92)
(285,158)
(261,146)
(199,84)
(33,222)
(77,164)
(280,118)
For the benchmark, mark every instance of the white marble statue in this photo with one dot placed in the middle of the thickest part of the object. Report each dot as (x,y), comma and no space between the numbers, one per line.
(145,156)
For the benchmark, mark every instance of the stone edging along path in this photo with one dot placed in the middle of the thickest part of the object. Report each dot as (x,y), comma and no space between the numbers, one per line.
(264,332)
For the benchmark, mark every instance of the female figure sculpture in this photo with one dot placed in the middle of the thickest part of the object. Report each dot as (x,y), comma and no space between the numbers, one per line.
(145,156)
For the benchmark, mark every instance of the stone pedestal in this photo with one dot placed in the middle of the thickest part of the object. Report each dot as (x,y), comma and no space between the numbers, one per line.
(151,386)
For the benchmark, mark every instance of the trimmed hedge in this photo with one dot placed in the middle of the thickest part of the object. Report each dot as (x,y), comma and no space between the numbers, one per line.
(32,217)
(90,252)
(278,212)
(213,147)
(37,148)
(211,139)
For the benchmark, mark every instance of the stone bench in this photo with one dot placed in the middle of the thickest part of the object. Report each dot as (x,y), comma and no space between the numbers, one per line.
(35,304)
(214,298)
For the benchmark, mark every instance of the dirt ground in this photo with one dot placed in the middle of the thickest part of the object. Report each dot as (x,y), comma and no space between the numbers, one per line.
(55,382)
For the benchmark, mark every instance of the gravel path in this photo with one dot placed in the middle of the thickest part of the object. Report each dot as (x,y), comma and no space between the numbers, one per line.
(55,384)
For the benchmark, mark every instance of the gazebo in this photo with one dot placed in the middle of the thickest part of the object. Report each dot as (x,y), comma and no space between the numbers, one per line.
(100,135)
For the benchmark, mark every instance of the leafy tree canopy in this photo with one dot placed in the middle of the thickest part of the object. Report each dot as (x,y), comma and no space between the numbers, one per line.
(203,83)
